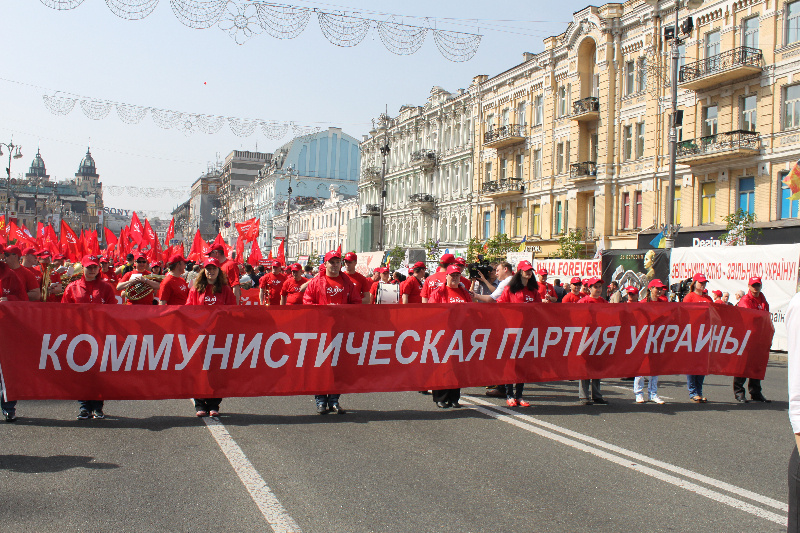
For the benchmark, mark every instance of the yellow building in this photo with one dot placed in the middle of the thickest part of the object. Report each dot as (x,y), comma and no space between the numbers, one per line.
(577,136)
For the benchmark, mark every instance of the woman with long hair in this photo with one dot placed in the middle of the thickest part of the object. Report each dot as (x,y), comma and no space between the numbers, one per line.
(210,288)
(697,294)
(523,288)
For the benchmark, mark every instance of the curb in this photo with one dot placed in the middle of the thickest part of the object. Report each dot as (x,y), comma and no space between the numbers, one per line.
(778,357)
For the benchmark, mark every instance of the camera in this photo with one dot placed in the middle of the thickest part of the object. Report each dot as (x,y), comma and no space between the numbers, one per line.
(681,289)
(481,265)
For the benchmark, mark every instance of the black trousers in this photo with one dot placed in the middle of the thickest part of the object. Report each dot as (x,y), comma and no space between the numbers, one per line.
(794,492)
(754,387)
(447,395)
(207,404)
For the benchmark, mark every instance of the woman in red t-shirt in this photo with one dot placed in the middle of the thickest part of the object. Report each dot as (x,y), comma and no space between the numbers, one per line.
(210,288)
(654,292)
(697,294)
(522,288)
(452,292)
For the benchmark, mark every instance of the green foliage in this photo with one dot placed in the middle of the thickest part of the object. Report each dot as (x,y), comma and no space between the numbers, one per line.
(313,259)
(474,248)
(432,251)
(498,246)
(570,245)
(739,229)
(396,256)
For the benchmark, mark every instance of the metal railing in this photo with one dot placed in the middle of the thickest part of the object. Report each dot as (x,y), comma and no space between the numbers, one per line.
(506,185)
(590,104)
(737,57)
(580,170)
(509,130)
(720,142)
(371,173)
(423,156)
(372,208)
(421,198)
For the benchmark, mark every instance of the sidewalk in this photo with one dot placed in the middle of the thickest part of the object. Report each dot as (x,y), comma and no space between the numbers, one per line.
(778,357)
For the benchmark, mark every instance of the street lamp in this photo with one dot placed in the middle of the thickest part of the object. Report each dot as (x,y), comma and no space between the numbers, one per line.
(15,152)
(291,172)
(385,155)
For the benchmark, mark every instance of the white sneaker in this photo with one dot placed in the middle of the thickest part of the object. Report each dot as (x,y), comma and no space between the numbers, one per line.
(656,399)
(640,398)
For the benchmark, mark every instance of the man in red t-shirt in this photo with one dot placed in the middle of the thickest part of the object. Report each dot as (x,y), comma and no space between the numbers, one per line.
(135,276)
(331,287)
(574,295)
(28,280)
(30,261)
(411,288)
(270,285)
(227,266)
(546,290)
(174,289)
(438,279)
(295,285)
(595,290)
(362,283)
(384,278)
(754,299)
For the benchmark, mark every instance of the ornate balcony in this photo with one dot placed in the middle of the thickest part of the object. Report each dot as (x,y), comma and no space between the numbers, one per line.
(586,109)
(506,187)
(371,175)
(583,171)
(735,64)
(370,209)
(504,136)
(425,159)
(422,200)
(731,145)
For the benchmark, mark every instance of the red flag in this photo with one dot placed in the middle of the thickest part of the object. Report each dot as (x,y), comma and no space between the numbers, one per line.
(244,228)
(239,250)
(338,250)
(136,231)
(255,254)
(170,233)
(16,233)
(255,229)
(69,241)
(39,234)
(219,240)
(166,254)
(149,236)
(3,228)
(269,255)
(281,256)
(111,239)
(792,180)
(199,248)
(180,250)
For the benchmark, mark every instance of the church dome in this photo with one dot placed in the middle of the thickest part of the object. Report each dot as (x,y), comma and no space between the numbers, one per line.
(37,167)
(87,167)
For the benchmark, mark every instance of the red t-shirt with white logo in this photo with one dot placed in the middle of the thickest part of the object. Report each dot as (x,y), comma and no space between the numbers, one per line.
(37,273)
(413,288)
(524,296)
(446,295)
(147,300)
(291,289)
(546,289)
(272,283)
(432,282)
(209,297)
(27,278)
(335,290)
(249,297)
(174,290)
(362,283)
(590,300)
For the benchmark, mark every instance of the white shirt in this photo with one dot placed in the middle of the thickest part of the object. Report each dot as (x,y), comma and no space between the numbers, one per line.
(500,286)
(793,330)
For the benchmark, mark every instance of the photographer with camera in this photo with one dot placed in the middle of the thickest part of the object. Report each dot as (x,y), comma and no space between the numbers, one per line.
(486,276)
(504,271)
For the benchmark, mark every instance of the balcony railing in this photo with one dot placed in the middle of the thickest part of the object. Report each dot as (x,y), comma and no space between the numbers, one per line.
(371,209)
(502,187)
(421,198)
(729,65)
(586,109)
(504,136)
(371,174)
(719,146)
(581,171)
(424,158)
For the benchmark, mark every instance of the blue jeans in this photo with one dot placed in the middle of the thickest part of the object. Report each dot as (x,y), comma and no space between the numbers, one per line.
(7,407)
(510,391)
(327,399)
(695,385)
(652,386)
(91,406)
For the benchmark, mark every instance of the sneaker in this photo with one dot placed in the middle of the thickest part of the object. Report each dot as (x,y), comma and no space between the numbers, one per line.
(84,415)
(600,401)
(213,413)
(322,409)
(522,403)
(11,415)
(640,398)
(656,399)
(98,414)
(201,414)
(511,402)
(338,409)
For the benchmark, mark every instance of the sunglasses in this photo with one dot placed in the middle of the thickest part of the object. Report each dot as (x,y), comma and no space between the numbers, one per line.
(141,261)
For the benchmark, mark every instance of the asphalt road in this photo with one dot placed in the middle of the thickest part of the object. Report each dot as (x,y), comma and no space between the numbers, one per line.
(396,463)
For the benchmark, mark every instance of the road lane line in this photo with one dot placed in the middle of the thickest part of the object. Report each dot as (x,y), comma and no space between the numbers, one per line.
(275,514)
(531,423)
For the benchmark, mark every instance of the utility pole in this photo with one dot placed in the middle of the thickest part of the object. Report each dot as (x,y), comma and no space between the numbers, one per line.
(385,153)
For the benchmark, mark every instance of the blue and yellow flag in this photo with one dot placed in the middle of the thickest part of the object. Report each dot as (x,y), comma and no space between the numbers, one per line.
(522,244)
(660,240)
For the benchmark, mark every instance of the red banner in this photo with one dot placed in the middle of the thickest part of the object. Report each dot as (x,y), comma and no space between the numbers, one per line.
(155,352)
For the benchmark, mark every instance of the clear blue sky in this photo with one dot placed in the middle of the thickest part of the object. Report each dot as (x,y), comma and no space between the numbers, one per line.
(159,62)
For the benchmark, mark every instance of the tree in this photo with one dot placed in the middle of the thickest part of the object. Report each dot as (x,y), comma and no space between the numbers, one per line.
(396,256)
(739,229)
(570,245)
(313,259)
(474,249)
(498,246)
(432,251)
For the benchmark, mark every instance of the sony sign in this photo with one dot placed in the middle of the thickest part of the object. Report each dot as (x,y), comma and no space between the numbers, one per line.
(114,211)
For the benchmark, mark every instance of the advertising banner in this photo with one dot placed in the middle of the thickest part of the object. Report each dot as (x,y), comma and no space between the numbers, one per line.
(635,268)
(114,352)
(566,269)
(515,257)
(369,261)
(728,268)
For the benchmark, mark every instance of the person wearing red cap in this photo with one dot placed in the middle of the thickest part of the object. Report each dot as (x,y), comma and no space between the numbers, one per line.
(230,269)
(451,292)
(437,279)
(717,297)
(174,289)
(135,276)
(55,290)
(271,284)
(155,268)
(11,290)
(26,277)
(574,295)
(655,291)
(411,288)
(383,272)
(362,283)
(295,285)
(697,294)
(632,294)
(654,295)
(30,260)
(331,287)
(754,299)
(546,290)
(584,398)
(90,289)
(107,274)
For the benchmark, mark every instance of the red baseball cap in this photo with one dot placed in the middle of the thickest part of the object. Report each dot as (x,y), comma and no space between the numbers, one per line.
(447,259)
(350,256)
(576,281)
(332,255)
(524,265)
(541,272)
(699,278)
(296,266)
(27,251)
(103,259)
(90,260)
(175,258)
(461,261)
(155,264)
(656,283)
(44,253)
(418,264)
(753,281)
(382,269)
(631,290)
(216,248)
(213,261)
(593,281)
(59,257)
(13,249)
(276,262)
(453,269)
(140,256)
(717,293)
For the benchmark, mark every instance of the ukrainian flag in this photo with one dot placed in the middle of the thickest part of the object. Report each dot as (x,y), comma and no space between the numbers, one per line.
(792,180)
(522,244)
(660,240)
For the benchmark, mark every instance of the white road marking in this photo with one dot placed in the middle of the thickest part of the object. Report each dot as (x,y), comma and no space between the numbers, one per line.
(630,389)
(529,423)
(275,514)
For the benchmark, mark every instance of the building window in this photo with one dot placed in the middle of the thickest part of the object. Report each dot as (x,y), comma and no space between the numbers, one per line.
(593,141)
(792,22)
(522,120)
(488,167)
(559,218)
(503,168)
(637,208)
(709,120)
(791,106)
(681,55)
(559,158)
(747,194)
(676,215)
(487,224)
(504,117)
(642,85)
(630,75)
(490,123)
(562,101)
(750,32)
(639,140)
(712,44)
(538,111)
(626,209)
(537,219)
(502,221)
(627,146)
(518,170)
(708,192)
(537,163)
(749,113)
(788,208)
(518,229)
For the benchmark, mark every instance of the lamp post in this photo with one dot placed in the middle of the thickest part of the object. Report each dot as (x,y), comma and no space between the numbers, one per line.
(385,154)
(290,171)
(14,151)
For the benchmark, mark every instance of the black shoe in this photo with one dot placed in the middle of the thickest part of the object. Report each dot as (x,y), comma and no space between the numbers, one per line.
(455,405)
(760,398)
(600,401)
(496,392)
(336,408)
(585,402)
(741,399)
(84,415)
(424,392)
(442,405)
(98,414)
(11,416)
(627,379)
(322,409)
